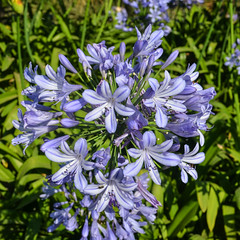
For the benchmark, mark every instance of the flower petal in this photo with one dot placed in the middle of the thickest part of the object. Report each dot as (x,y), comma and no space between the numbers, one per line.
(92,97)
(135,153)
(154,84)
(105,90)
(163,147)
(123,110)
(122,199)
(161,118)
(133,169)
(121,93)
(111,121)
(94,189)
(149,139)
(184,176)
(95,113)
(81,147)
(45,83)
(194,159)
(167,159)
(80,181)
(64,171)
(56,156)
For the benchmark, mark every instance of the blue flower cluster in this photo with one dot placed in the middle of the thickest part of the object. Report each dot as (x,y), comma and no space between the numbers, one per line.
(234,60)
(157,12)
(126,104)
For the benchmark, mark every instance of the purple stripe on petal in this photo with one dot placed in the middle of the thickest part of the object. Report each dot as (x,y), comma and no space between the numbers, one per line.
(121,93)
(149,139)
(56,156)
(161,118)
(122,199)
(95,113)
(123,110)
(167,159)
(170,59)
(94,189)
(105,90)
(66,63)
(111,121)
(92,97)
(80,181)
(194,159)
(133,169)
(135,153)
(81,147)
(46,83)
(53,143)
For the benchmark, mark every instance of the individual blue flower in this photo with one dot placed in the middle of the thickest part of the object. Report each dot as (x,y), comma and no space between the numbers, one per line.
(188,160)
(160,98)
(33,123)
(56,88)
(111,190)
(147,42)
(101,158)
(106,103)
(75,163)
(142,188)
(101,56)
(31,92)
(149,151)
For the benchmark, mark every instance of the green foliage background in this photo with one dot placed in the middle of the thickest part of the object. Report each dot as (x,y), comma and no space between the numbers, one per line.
(38,31)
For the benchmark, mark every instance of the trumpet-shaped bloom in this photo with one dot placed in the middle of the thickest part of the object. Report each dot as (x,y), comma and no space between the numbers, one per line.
(147,153)
(188,160)
(111,190)
(75,163)
(55,87)
(161,96)
(106,103)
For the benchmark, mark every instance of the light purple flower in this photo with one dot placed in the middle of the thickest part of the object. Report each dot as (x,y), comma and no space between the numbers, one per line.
(147,153)
(106,103)
(111,190)
(55,87)
(188,160)
(75,162)
(160,98)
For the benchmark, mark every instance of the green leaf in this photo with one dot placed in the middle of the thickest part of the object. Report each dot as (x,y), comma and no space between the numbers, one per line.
(183,217)
(202,189)
(54,57)
(6,175)
(33,228)
(29,178)
(5,148)
(32,163)
(8,108)
(229,221)
(19,87)
(6,63)
(9,95)
(212,210)
(237,197)
(5,30)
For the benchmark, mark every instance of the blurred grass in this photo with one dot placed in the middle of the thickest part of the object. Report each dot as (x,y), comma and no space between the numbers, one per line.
(208,208)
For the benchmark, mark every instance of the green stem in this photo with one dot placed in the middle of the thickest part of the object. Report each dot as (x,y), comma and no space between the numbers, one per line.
(221,59)
(107,9)
(85,24)
(231,24)
(19,52)
(209,35)
(26,32)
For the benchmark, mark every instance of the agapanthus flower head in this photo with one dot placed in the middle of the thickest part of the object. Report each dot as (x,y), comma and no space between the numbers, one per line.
(114,128)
